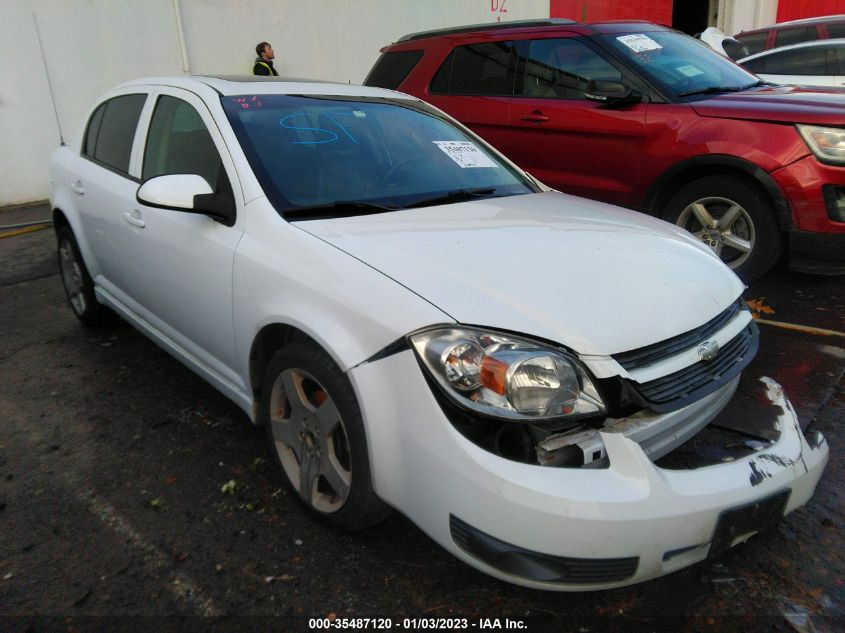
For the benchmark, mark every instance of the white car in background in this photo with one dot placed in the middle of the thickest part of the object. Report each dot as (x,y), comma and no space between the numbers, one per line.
(817,63)
(421,325)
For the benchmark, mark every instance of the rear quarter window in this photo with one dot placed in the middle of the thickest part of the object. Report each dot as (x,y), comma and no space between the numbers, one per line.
(392,68)
(111,131)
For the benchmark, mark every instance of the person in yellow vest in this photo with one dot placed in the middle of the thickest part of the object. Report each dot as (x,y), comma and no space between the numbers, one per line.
(264,61)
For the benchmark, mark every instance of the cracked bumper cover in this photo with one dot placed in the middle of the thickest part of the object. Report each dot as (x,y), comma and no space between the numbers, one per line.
(667,519)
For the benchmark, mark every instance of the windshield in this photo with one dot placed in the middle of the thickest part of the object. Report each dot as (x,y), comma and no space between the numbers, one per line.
(680,64)
(365,155)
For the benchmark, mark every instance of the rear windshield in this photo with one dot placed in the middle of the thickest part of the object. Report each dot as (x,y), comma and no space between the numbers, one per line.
(320,150)
(392,68)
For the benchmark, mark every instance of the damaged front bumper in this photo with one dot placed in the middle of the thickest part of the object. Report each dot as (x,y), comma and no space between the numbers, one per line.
(569,528)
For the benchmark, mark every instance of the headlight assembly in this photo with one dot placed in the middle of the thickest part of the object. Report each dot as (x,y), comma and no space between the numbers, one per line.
(827,143)
(507,377)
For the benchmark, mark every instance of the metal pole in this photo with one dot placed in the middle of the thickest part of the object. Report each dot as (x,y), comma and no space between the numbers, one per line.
(47,73)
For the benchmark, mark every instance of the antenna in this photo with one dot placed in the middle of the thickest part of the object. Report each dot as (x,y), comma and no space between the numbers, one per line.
(49,83)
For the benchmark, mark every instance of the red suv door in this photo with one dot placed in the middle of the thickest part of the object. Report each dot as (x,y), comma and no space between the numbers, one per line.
(566,140)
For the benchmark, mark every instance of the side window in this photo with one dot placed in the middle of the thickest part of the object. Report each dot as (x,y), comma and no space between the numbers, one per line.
(840,59)
(756,65)
(563,68)
(179,143)
(796,36)
(477,69)
(836,29)
(807,61)
(112,138)
(92,131)
(392,68)
(756,42)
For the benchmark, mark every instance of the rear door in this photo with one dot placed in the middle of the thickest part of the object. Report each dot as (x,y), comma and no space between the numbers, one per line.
(567,141)
(104,186)
(475,85)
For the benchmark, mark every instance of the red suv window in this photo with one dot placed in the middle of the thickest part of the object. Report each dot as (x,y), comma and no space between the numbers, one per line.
(477,69)
(786,37)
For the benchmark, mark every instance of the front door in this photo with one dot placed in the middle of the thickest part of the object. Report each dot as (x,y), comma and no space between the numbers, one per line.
(571,143)
(182,262)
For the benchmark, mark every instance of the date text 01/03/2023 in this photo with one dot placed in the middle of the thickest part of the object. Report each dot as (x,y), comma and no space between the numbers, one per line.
(415,623)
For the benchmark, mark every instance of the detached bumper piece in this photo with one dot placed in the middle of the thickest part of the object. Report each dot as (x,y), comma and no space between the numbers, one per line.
(524,563)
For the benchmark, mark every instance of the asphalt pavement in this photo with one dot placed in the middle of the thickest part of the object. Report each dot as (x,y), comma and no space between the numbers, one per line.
(134,496)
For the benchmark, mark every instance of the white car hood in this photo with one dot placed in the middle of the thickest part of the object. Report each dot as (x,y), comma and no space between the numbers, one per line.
(593,277)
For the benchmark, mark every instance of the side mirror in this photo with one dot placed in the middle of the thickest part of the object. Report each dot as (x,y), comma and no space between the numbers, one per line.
(189,193)
(611,92)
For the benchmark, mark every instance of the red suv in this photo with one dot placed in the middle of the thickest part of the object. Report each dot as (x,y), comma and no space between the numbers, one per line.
(643,116)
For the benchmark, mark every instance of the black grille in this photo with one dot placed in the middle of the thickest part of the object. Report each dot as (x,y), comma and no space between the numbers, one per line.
(536,566)
(703,377)
(671,346)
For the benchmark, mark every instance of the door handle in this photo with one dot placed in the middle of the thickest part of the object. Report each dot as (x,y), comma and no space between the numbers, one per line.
(134,218)
(535,117)
(77,187)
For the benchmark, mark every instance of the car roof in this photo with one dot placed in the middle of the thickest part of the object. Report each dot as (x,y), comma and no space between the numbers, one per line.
(840,41)
(230,85)
(541,25)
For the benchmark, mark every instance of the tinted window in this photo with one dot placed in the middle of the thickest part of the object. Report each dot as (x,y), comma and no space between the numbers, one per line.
(840,59)
(786,37)
(477,69)
(179,143)
(679,63)
(309,151)
(392,68)
(93,130)
(806,61)
(563,68)
(117,131)
(836,30)
(756,42)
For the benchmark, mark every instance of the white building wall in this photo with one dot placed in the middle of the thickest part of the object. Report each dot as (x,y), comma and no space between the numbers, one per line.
(745,15)
(91,45)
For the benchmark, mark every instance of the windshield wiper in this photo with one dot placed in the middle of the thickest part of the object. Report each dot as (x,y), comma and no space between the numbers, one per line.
(458,195)
(713,90)
(337,209)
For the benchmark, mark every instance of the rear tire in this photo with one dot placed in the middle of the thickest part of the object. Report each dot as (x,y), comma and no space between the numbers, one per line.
(316,434)
(734,218)
(79,287)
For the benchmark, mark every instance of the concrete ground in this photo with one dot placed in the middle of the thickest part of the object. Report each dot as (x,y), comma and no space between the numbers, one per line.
(113,458)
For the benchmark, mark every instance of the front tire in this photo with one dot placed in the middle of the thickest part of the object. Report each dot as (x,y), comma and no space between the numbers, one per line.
(734,218)
(316,434)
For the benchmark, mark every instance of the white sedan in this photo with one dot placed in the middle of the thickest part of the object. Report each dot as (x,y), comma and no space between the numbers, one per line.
(421,325)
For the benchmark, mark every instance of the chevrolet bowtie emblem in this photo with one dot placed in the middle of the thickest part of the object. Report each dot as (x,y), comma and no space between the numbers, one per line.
(708,350)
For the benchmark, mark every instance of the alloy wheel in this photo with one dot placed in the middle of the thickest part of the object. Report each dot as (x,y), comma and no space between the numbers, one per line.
(72,276)
(722,224)
(311,440)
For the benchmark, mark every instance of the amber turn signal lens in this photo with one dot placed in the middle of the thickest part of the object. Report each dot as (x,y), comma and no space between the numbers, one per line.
(494,374)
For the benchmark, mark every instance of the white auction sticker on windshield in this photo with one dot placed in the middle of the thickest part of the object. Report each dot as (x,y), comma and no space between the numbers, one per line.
(639,43)
(465,154)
